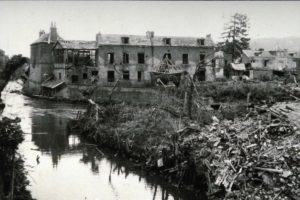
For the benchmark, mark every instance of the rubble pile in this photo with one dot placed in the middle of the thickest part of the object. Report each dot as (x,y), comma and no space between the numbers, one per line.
(256,158)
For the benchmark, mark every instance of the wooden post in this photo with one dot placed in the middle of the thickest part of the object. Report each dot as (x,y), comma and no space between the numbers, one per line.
(248,99)
(185,104)
(12,177)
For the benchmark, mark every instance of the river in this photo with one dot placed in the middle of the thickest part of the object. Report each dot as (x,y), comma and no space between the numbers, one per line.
(61,167)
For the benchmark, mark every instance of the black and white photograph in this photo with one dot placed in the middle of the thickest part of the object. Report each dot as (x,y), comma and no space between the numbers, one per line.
(149,100)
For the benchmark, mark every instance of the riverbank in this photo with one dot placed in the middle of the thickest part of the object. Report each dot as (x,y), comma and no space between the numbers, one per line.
(241,153)
(13,181)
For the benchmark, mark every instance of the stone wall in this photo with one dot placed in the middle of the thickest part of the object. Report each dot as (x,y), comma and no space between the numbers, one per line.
(153,58)
(41,64)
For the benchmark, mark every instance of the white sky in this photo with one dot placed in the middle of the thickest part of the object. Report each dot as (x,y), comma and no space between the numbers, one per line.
(20,21)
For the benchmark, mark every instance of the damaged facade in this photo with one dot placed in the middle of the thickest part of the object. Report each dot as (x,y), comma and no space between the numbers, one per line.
(41,59)
(266,64)
(126,60)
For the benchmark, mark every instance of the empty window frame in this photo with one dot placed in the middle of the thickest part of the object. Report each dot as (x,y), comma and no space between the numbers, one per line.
(74,79)
(266,63)
(110,76)
(110,58)
(167,55)
(167,41)
(126,75)
(201,42)
(139,76)
(59,76)
(141,58)
(125,58)
(92,60)
(84,76)
(125,40)
(59,56)
(213,62)
(83,57)
(70,56)
(202,58)
(185,58)
(95,73)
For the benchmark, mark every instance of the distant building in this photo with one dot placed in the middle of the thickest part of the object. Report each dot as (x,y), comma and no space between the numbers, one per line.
(268,63)
(126,59)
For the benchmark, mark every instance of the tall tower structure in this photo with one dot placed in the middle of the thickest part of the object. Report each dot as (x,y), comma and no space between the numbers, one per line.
(41,59)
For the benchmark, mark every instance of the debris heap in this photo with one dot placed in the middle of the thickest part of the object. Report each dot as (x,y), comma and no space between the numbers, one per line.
(256,158)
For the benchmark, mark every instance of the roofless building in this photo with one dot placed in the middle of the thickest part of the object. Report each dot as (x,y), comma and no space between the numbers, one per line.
(126,60)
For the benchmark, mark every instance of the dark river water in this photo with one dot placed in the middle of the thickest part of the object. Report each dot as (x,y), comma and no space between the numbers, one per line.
(61,167)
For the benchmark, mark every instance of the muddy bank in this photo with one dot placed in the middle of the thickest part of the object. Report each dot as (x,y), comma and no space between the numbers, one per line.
(245,156)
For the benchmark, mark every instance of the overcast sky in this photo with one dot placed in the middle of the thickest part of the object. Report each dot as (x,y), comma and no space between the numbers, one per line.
(20,21)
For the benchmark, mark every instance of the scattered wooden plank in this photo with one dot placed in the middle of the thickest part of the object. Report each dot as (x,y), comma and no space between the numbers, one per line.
(280,171)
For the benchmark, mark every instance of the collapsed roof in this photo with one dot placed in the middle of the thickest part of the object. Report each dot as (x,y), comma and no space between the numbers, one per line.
(77,44)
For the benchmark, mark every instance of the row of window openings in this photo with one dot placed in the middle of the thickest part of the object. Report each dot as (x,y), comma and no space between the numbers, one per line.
(81,57)
(75,78)
(126,76)
(84,75)
(141,58)
(167,41)
(110,76)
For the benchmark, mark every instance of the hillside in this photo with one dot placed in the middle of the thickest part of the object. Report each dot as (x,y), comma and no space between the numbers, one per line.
(290,43)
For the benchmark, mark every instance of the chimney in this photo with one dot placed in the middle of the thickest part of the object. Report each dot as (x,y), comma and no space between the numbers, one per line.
(53,32)
(42,32)
(98,37)
(150,34)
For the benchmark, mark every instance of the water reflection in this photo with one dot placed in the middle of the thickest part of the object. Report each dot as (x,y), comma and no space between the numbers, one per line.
(62,167)
(90,155)
(49,135)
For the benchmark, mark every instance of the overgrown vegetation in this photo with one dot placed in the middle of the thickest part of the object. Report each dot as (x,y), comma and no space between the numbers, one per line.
(236,91)
(11,66)
(194,149)
(13,180)
(150,135)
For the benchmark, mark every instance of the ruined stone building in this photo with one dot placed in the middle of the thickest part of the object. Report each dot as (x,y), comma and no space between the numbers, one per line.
(127,60)
(41,59)
(268,63)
